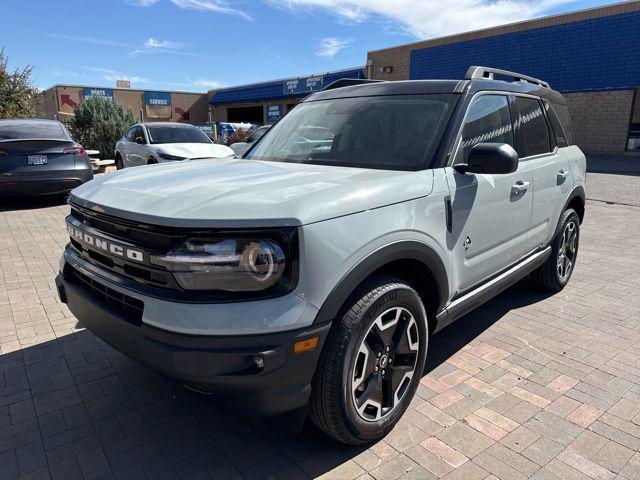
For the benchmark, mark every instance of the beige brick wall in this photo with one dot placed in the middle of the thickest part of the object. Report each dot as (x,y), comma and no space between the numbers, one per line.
(601,119)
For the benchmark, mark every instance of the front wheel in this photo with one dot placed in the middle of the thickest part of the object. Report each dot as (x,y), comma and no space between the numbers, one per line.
(555,273)
(372,364)
(119,164)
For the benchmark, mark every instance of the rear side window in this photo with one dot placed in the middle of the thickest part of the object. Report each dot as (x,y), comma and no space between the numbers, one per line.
(558,130)
(488,121)
(25,130)
(530,128)
(562,112)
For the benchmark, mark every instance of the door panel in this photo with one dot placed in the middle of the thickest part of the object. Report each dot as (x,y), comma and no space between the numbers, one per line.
(490,213)
(490,222)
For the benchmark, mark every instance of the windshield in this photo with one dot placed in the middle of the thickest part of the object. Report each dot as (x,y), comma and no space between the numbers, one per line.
(388,132)
(17,130)
(176,134)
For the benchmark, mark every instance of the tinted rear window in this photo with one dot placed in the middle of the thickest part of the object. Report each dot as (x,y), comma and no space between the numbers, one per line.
(31,130)
(562,113)
(530,127)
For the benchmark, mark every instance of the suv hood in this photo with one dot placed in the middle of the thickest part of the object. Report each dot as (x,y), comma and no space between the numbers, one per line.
(236,192)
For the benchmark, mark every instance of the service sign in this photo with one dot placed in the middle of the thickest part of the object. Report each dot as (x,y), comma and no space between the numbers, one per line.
(88,92)
(158,99)
(274,112)
(303,85)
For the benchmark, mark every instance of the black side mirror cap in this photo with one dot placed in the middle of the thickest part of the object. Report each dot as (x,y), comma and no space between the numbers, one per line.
(140,141)
(491,158)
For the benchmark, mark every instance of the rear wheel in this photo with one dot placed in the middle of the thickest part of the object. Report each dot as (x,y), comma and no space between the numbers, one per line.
(372,364)
(555,273)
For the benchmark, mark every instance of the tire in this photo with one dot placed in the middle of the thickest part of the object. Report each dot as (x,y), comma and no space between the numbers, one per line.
(119,164)
(355,362)
(152,161)
(551,276)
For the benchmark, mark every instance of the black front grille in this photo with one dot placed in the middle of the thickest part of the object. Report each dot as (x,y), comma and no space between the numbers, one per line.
(152,238)
(130,307)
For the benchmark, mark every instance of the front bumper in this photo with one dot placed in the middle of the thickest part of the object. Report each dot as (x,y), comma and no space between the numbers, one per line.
(225,366)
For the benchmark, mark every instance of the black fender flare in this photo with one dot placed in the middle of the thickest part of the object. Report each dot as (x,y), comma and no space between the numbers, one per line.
(577,192)
(403,250)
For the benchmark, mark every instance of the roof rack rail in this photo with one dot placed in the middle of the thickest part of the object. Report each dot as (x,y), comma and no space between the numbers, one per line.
(487,73)
(348,82)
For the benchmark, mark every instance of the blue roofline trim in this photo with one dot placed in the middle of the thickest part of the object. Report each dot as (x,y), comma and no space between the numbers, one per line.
(288,88)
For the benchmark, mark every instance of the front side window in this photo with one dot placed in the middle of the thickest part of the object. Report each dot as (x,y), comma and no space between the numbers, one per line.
(488,121)
(530,127)
(139,133)
(398,132)
(131,135)
(176,134)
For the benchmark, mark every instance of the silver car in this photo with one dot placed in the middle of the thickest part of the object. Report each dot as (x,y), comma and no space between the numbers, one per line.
(307,277)
(240,148)
(159,142)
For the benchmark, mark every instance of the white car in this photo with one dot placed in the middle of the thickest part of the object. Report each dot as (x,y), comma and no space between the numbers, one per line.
(158,142)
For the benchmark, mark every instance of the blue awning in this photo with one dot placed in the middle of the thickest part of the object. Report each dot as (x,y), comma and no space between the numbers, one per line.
(283,89)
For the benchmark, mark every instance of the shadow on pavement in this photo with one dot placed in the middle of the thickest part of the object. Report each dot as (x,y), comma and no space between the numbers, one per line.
(76,408)
(9,204)
(614,164)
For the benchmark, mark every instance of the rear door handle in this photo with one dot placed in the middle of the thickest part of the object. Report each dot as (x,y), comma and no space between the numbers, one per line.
(520,187)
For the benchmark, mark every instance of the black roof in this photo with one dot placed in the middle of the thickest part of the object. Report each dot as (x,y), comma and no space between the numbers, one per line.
(418,87)
(22,121)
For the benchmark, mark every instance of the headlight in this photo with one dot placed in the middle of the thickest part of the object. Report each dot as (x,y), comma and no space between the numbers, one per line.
(166,156)
(239,265)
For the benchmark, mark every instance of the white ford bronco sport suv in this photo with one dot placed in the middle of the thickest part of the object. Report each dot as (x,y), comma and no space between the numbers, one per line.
(307,277)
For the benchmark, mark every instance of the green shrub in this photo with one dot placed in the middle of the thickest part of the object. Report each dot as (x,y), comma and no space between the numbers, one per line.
(98,123)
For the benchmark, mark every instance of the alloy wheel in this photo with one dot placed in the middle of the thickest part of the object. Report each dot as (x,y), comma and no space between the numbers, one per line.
(385,364)
(568,250)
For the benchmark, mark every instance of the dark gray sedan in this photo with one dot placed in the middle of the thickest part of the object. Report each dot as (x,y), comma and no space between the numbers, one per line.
(38,157)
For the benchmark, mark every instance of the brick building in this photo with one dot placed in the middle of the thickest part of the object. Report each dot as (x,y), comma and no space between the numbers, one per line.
(591,56)
(60,101)
(266,102)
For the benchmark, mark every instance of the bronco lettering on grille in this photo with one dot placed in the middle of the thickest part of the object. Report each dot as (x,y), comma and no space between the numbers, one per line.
(105,245)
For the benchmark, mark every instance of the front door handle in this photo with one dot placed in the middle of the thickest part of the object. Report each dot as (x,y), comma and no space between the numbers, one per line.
(520,187)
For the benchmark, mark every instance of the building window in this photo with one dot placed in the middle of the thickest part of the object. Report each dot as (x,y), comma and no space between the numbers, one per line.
(633,144)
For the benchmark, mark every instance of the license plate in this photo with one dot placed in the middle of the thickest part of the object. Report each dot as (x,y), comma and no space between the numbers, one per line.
(37,160)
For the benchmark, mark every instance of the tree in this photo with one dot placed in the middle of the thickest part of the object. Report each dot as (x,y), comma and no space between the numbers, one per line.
(17,93)
(98,123)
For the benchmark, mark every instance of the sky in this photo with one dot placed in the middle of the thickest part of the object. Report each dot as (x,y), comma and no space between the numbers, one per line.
(198,45)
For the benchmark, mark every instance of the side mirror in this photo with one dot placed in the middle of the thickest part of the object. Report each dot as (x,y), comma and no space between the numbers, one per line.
(492,158)
(140,141)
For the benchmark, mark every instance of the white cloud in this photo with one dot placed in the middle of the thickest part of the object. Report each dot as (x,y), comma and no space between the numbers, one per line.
(206,83)
(217,6)
(428,18)
(143,3)
(330,46)
(113,75)
(153,43)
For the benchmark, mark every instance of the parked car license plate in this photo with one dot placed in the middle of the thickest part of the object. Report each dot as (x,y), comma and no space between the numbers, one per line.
(37,160)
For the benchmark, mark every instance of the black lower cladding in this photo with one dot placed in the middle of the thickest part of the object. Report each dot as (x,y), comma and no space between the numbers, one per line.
(44,184)
(224,366)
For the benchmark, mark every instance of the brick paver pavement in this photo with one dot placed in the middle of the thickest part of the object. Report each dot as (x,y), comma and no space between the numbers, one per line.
(529,385)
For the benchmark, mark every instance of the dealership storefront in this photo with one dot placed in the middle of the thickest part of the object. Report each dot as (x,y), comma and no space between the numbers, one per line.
(264,103)
(61,100)
(591,56)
